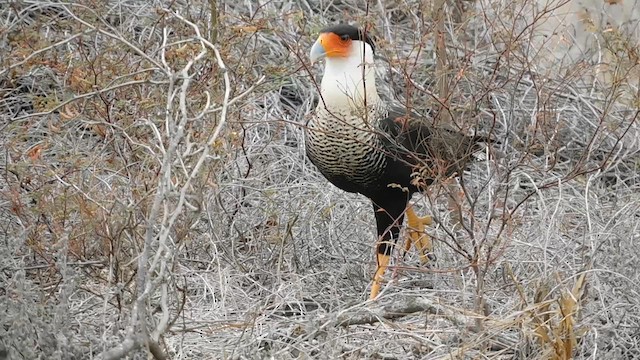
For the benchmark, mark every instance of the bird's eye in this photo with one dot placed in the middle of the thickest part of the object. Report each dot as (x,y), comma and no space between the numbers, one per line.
(344,37)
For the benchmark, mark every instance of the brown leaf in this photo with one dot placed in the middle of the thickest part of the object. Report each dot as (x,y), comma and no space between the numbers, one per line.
(69,112)
(34,152)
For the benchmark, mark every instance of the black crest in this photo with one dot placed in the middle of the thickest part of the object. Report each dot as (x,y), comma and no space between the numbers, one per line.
(352,32)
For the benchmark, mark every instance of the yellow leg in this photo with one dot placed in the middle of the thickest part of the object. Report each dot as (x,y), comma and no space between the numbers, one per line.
(408,243)
(417,236)
(383,263)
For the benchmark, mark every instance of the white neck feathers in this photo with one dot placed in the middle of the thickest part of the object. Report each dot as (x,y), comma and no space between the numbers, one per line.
(350,82)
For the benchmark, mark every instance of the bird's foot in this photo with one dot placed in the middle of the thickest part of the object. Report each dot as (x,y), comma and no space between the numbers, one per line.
(418,237)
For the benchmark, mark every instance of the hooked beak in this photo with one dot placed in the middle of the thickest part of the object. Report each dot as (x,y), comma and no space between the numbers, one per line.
(317,51)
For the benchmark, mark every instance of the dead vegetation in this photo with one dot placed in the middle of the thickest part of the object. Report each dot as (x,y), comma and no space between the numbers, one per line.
(155,197)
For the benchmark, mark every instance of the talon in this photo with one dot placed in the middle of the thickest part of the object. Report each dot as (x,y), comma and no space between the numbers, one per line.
(432,256)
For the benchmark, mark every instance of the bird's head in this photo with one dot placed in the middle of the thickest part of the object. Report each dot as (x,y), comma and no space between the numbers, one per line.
(342,41)
(349,77)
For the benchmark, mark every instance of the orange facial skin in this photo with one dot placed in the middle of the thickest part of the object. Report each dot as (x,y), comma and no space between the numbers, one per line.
(334,46)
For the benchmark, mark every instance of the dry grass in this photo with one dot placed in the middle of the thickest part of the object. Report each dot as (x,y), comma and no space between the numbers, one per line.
(129,190)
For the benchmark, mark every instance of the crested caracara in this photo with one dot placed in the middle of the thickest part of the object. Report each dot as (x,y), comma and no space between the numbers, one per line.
(363,145)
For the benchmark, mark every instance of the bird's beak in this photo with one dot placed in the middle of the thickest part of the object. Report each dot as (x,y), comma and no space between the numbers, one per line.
(317,51)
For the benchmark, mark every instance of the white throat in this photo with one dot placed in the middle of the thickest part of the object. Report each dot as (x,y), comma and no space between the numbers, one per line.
(350,82)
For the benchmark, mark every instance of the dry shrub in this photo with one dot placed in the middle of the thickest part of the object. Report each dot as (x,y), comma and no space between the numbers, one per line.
(155,196)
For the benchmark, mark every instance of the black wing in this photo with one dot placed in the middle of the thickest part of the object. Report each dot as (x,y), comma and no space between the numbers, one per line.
(411,139)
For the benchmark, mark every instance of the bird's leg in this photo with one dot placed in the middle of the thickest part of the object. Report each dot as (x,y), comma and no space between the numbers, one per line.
(383,264)
(417,236)
(388,221)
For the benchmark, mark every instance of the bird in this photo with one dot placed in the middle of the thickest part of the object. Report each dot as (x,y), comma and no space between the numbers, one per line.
(363,144)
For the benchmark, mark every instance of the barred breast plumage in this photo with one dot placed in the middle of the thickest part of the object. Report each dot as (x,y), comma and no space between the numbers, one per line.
(347,150)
